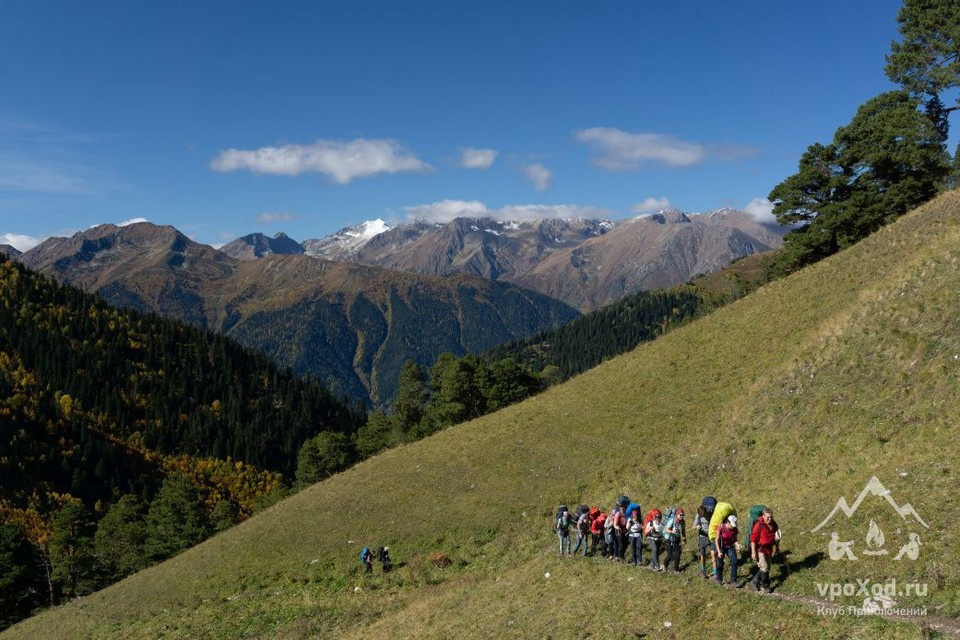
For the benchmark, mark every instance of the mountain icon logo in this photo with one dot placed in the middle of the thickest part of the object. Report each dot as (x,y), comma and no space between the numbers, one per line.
(876,488)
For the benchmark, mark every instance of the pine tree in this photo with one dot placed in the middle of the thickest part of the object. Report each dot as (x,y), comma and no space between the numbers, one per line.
(120,539)
(176,520)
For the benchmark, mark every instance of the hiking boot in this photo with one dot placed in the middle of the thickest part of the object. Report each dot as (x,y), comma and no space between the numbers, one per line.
(768,589)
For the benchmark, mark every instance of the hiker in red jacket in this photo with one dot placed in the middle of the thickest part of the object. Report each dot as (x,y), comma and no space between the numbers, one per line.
(596,532)
(764,542)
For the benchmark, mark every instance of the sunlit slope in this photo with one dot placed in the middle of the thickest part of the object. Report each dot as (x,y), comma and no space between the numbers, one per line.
(793,397)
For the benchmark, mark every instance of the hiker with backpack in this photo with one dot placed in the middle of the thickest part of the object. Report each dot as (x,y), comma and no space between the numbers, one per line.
(635,536)
(701,523)
(597,533)
(366,559)
(653,530)
(764,542)
(583,529)
(727,547)
(675,535)
(563,531)
(383,555)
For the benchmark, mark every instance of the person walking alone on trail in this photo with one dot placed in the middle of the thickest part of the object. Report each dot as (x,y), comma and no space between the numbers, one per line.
(635,536)
(764,543)
(727,547)
(675,534)
(583,532)
(702,525)
(654,533)
(563,532)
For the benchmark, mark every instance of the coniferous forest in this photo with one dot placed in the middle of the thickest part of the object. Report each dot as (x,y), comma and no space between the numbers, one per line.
(116,425)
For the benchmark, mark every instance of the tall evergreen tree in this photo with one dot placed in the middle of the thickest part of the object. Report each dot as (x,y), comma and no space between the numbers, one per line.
(888,160)
(176,520)
(71,549)
(927,61)
(411,396)
(120,539)
(20,583)
(323,455)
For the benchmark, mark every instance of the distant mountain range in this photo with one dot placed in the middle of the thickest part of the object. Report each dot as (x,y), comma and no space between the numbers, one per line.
(584,263)
(257,245)
(351,325)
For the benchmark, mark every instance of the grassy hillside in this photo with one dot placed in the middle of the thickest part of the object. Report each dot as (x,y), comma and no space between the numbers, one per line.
(793,396)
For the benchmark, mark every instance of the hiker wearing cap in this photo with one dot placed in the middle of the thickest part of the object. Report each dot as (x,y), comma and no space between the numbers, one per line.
(563,532)
(764,542)
(675,533)
(727,547)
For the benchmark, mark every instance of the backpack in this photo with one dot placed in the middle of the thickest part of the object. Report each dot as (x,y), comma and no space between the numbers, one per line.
(365,554)
(709,503)
(633,506)
(755,512)
(720,514)
(623,502)
(667,521)
(556,518)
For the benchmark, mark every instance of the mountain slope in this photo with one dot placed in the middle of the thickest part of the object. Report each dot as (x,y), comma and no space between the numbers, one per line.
(792,397)
(350,325)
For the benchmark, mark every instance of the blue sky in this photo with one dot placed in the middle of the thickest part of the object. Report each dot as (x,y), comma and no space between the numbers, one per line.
(226,118)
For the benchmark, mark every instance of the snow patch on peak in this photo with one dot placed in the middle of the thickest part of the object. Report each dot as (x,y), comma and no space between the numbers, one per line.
(368,229)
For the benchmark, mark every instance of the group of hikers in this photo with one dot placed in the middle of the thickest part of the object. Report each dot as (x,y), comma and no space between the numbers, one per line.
(383,555)
(611,534)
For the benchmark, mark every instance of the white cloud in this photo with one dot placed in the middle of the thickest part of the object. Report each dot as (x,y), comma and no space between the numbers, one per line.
(19,241)
(267,218)
(539,175)
(471,158)
(131,221)
(617,150)
(447,210)
(761,209)
(651,205)
(341,161)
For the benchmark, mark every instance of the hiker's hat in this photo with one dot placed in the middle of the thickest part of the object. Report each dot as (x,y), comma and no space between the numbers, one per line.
(732,519)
